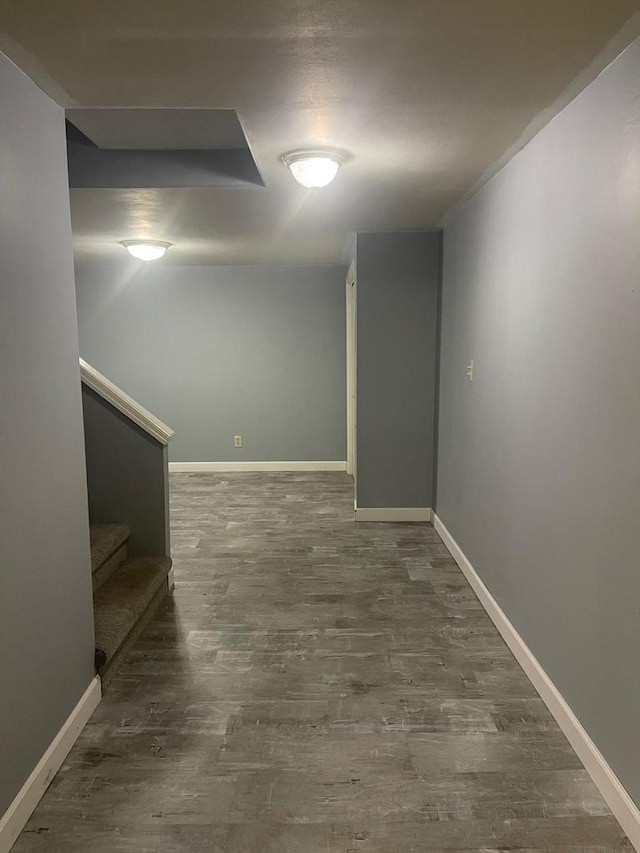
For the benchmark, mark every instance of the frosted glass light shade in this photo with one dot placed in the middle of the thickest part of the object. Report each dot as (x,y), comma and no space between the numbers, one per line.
(146,250)
(313,169)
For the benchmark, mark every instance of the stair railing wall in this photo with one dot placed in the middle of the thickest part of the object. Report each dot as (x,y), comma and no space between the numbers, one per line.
(127,463)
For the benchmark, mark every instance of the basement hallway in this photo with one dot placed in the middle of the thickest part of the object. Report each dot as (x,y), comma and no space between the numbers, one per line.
(316,686)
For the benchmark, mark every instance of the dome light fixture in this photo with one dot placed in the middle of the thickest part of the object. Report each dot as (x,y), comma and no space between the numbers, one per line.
(313,169)
(146,250)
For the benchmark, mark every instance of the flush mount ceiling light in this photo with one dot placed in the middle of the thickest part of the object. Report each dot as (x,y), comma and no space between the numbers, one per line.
(313,169)
(146,250)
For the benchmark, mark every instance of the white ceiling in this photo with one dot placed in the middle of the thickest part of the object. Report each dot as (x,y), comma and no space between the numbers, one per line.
(424,95)
(160,129)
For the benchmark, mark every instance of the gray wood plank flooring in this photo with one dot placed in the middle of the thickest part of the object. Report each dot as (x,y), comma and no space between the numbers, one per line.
(316,686)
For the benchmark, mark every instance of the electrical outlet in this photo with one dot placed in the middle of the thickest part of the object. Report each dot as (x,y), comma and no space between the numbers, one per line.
(237,441)
(470,370)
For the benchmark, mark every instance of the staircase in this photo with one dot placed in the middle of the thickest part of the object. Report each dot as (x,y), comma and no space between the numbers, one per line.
(127,478)
(126,594)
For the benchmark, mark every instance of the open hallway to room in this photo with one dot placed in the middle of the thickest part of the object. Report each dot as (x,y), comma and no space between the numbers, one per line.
(316,686)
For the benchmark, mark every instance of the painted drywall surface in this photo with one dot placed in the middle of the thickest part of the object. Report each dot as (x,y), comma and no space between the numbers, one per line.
(398,278)
(221,351)
(127,474)
(46,615)
(539,461)
(92,168)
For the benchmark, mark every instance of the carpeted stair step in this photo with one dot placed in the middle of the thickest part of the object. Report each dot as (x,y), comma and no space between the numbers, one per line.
(108,550)
(123,606)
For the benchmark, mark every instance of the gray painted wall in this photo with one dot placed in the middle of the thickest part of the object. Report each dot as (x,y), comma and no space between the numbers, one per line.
(397,281)
(539,459)
(46,615)
(127,474)
(220,351)
(91,167)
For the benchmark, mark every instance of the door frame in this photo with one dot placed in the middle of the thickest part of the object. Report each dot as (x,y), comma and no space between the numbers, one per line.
(352,350)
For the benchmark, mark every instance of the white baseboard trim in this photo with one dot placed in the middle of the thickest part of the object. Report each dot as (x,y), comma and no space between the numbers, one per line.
(203,467)
(20,810)
(393,513)
(614,793)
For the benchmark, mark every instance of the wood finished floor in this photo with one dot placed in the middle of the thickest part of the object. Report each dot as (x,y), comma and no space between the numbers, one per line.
(316,686)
